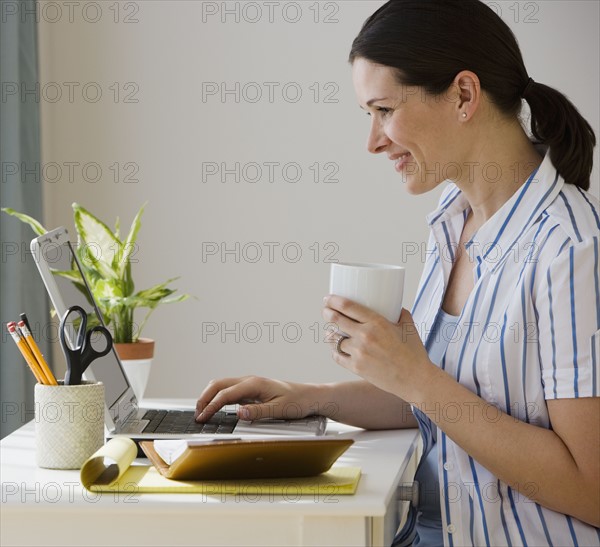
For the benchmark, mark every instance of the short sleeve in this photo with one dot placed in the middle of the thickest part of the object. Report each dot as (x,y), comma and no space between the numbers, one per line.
(568,310)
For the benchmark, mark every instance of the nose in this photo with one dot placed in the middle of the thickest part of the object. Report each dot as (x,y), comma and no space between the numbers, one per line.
(378,140)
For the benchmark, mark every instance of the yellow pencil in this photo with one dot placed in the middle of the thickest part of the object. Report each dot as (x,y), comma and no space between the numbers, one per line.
(24,349)
(51,380)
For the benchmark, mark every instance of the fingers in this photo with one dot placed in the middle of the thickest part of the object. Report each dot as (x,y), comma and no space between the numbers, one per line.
(348,309)
(337,324)
(344,314)
(336,338)
(405,317)
(260,411)
(219,393)
(347,316)
(261,398)
(344,351)
(353,336)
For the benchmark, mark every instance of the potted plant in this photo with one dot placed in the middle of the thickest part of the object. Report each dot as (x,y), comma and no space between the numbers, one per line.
(106,262)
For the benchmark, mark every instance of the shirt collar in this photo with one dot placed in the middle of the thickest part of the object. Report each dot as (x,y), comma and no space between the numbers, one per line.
(498,235)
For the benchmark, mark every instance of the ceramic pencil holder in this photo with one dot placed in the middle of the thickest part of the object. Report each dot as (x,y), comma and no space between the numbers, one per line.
(69,423)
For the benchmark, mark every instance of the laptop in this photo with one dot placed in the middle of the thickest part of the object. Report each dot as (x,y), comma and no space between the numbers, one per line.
(123,415)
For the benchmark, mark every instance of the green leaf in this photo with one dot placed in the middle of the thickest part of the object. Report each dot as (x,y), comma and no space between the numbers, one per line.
(35,225)
(71,275)
(178,298)
(99,244)
(128,285)
(129,243)
(108,288)
(158,291)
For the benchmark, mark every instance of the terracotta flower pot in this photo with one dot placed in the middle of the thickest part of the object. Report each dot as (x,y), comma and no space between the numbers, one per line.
(142,349)
(136,359)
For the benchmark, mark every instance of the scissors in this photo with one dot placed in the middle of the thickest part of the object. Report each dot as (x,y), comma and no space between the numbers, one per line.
(80,356)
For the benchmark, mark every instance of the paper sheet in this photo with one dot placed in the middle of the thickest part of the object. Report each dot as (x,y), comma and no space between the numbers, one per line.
(108,463)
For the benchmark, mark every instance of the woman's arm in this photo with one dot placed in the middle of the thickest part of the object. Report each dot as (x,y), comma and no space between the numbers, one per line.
(558,468)
(356,403)
(361,404)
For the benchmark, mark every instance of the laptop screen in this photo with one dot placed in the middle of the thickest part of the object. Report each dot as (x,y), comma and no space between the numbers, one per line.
(106,369)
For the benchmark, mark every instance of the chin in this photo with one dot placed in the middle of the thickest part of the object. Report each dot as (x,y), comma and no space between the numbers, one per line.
(417,187)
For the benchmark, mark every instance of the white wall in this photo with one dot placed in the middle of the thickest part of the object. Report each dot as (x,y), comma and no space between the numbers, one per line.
(161,59)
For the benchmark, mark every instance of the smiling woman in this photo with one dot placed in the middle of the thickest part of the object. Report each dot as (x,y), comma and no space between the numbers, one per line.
(427,43)
(498,360)
(444,108)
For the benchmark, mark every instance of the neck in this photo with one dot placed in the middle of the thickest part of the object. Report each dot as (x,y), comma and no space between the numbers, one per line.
(502,162)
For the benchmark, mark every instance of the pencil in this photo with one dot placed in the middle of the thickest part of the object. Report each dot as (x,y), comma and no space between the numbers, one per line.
(24,318)
(24,349)
(51,380)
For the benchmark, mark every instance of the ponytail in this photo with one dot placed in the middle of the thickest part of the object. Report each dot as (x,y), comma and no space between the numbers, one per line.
(556,123)
(424,40)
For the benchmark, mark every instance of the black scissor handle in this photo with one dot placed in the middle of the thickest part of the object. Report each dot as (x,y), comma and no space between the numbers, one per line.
(89,353)
(82,354)
(81,331)
(72,351)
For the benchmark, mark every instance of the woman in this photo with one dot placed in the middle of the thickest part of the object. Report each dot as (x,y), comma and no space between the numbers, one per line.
(499,359)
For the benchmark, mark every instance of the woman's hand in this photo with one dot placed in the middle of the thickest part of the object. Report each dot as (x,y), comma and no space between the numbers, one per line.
(260,397)
(389,355)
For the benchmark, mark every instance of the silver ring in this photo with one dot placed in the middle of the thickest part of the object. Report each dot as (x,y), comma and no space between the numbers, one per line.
(338,345)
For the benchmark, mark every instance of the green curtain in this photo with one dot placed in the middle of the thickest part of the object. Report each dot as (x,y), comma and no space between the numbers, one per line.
(21,289)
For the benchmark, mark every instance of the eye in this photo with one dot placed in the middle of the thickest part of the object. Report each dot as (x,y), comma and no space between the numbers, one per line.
(384,111)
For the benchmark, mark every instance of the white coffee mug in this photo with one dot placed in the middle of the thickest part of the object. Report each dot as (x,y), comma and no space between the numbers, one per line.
(379,287)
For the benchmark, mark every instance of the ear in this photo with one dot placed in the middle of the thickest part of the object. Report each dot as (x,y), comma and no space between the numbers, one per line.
(468,94)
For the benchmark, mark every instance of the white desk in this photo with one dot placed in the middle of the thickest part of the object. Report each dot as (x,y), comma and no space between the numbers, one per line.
(48,507)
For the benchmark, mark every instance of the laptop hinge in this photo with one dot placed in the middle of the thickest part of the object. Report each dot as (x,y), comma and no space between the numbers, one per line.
(123,410)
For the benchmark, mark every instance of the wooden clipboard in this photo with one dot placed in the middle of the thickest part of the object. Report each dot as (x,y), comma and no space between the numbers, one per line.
(251,459)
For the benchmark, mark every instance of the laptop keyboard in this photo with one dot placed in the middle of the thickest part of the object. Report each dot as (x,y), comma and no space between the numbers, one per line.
(182,422)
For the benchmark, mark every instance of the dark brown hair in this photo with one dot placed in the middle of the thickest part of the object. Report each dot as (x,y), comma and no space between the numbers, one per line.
(429,42)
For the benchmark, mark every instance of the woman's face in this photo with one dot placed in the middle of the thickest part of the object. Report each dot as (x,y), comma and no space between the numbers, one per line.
(419,133)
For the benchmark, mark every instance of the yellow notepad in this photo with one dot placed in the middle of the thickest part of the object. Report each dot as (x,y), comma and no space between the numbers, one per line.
(110,469)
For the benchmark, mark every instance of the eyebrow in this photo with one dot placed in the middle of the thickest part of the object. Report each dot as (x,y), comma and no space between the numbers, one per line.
(371,101)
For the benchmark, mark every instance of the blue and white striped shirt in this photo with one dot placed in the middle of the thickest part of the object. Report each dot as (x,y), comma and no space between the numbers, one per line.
(529,331)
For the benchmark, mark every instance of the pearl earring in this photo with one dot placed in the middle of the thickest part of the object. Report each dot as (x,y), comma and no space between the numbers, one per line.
(464,114)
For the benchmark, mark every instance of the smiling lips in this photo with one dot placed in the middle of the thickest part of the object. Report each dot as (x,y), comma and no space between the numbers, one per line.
(401,160)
